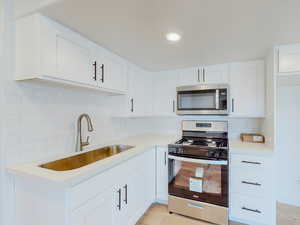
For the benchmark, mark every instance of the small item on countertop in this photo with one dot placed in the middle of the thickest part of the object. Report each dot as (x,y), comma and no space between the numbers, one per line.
(199,172)
(196,184)
(252,137)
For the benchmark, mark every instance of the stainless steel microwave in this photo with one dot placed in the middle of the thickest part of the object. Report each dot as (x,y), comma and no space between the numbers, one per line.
(211,99)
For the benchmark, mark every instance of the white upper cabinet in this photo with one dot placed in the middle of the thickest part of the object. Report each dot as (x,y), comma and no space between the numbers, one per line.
(205,75)
(190,76)
(247,89)
(48,51)
(288,59)
(164,93)
(138,102)
(216,74)
(109,71)
(73,62)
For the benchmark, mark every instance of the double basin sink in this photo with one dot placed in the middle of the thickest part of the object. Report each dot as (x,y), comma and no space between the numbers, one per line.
(86,158)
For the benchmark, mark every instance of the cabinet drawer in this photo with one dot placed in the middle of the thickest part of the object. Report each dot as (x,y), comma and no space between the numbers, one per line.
(253,182)
(250,209)
(250,162)
(199,210)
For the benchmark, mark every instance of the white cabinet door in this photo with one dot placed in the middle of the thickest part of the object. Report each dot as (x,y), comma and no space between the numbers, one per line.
(164,93)
(141,188)
(133,196)
(74,62)
(216,74)
(162,174)
(139,99)
(109,71)
(191,76)
(247,89)
(137,190)
(289,59)
(149,177)
(114,74)
(205,75)
(98,211)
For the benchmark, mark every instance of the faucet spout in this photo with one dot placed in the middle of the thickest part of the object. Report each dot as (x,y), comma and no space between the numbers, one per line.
(79,142)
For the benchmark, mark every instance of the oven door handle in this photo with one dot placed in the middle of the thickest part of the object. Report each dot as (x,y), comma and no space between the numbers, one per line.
(202,161)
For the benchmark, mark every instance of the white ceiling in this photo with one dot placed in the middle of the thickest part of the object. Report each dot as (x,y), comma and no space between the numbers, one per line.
(214,31)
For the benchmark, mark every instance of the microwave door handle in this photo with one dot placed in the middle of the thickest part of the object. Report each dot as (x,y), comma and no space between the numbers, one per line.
(202,161)
(217,99)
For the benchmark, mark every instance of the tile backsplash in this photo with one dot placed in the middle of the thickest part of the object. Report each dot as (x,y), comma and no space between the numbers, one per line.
(235,125)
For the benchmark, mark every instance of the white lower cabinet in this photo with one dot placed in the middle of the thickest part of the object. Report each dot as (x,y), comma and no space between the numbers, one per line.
(251,189)
(98,209)
(117,196)
(162,174)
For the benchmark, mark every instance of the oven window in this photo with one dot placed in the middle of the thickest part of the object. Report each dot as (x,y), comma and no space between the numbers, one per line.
(202,182)
(195,100)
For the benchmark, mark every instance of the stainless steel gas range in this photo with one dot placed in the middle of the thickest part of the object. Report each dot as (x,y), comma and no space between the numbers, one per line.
(198,171)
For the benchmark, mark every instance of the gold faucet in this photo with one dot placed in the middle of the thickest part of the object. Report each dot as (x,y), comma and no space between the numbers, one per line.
(79,142)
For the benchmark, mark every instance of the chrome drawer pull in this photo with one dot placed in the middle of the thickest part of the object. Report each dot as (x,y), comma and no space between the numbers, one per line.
(251,183)
(195,206)
(249,162)
(251,210)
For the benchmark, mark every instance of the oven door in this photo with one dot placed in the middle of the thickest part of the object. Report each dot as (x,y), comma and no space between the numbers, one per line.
(199,180)
(202,100)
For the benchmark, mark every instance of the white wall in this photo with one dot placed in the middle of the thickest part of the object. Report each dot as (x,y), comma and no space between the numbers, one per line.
(288,150)
(2,71)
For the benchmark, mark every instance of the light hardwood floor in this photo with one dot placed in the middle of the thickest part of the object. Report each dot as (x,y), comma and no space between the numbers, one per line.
(158,215)
(287,214)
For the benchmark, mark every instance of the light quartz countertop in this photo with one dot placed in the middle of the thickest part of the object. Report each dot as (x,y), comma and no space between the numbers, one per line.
(141,143)
(237,146)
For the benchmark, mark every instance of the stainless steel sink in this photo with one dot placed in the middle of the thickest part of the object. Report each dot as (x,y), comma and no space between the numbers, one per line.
(86,158)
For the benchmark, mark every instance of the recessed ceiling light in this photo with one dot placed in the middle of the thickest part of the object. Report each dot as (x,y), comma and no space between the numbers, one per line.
(174,37)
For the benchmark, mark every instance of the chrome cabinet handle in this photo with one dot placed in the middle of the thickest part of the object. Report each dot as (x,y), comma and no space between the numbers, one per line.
(250,162)
(251,183)
(95,71)
(251,210)
(203,75)
(194,206)
(232,105)
(132,107)
(126,194)
(165,158)
(102,69)
(198,75)
(120,196)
